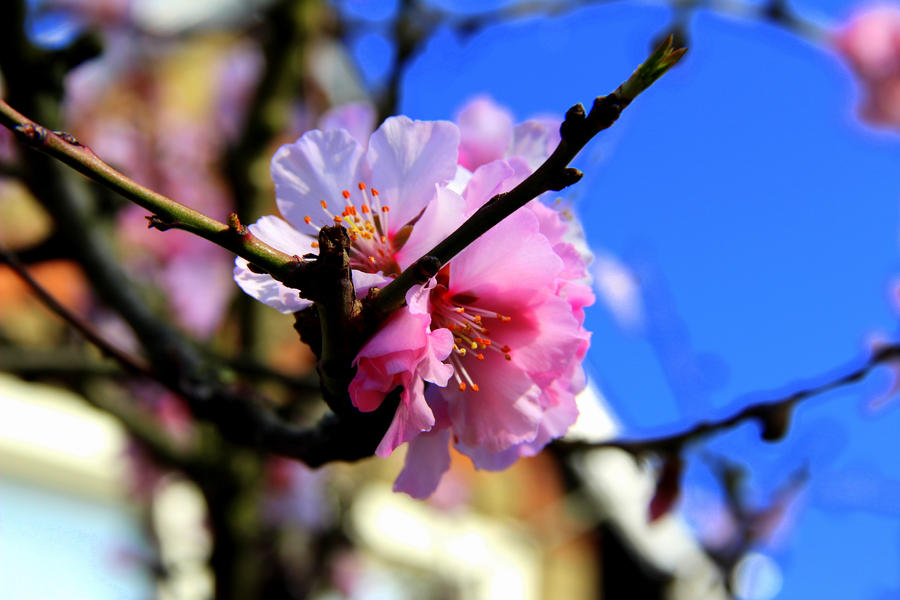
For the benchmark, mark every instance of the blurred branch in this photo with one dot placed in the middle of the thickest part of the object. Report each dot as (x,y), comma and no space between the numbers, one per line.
(55,364)
(413,25)
(83,327)
(773,416)
(167,212)
(775,12)
(143,427)
(553,175)
(288,28)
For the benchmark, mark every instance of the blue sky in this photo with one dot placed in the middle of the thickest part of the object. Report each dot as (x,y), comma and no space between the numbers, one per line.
(762,220)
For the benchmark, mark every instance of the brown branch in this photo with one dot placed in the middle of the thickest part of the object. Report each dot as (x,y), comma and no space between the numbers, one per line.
(167,213)
(553,175)
(773,416)
(129,363)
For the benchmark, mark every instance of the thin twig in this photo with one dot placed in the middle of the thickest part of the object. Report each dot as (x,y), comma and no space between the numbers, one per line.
(167,213)
(83,327)
(773,415)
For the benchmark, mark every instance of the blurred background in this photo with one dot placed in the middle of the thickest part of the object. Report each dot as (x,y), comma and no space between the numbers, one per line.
(743,217)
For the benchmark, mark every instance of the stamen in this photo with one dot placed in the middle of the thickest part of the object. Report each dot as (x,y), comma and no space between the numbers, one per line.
(346,194)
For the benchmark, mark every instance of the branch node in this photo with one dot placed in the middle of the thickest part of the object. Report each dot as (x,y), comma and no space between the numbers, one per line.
(234,224)
(68,138)
(157,222)
(605,111)
(564,179)
(573,124)
(31,133)
(426,268)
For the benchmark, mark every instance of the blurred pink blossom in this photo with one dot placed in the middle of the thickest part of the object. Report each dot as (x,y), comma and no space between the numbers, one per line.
(871,44)
(487,133)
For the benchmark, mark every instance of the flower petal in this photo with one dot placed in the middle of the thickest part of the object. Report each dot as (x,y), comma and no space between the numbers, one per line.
(427,459)
(407,159)
(509,262)
(357,118)
(413,417)
(281,235)
(504,412)
(317,167)
(267,290)
(535,140)
(486,181)
(485,460)
(363,282)
(262,286)
(442,215)
(486,130)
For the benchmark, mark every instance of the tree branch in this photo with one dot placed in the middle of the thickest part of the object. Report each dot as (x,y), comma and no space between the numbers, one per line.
(553,175)
(129,363)
(167,213)
(773,416)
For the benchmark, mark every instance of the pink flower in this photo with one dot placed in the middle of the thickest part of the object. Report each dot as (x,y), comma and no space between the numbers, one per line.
(513,303)
(487,134)
(327,177)
(871,44)
(503,320)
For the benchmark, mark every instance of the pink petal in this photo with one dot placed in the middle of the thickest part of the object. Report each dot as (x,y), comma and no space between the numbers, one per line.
(509,262)
(551,225)
(483,459)
(505,411)
(413,417)
(317,167)
(544,337)
(556,422)
(486,181)
(407,158)
(535,140)
(427,459)
(432,367)
(402,331)
(460,180)
(486,131)
(442,215)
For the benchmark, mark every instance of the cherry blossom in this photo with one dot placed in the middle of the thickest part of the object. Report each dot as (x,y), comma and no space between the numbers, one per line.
(487,354)
(328,177)
(513,304)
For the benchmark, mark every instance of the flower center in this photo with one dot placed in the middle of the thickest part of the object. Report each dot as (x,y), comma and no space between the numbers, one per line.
(471,335)
(367,224)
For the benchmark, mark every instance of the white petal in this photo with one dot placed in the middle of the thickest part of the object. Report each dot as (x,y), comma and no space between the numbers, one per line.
(363,282)
(318,166)
(460,180)
(279,234)
(267,290)
(407,159)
